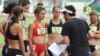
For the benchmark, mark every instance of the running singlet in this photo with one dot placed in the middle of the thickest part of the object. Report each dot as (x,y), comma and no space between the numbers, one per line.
(52,28)
(39,31)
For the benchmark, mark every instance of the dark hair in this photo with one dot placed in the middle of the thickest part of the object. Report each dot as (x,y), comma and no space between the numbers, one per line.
(24,2)
(93,13)
(54,7)
(16,12)
(71,8)
(38,10)
(9,7)
(40,4)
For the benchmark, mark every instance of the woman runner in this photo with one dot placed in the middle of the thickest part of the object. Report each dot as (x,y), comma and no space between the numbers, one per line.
(95,28)
(7,10)
(55,28)
(37,31)
(14,34)
(24,5)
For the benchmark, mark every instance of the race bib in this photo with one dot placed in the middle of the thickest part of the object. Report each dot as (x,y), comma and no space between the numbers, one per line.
(42,31)
(28,48)
(34,47)
(56,29)
(18,55)
(93,28)
(97,47)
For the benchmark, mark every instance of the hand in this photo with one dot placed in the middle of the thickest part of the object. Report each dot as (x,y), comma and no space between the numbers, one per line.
(47,54)
(32,54)
(96,32)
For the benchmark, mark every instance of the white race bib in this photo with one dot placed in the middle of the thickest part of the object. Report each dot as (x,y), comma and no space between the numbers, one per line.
(34,47)
(18,55)
(56,29)
(28,48)
(97,47)
(93,28)
(41,31)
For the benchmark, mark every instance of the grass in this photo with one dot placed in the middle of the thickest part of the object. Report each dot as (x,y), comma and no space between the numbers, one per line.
(1,37)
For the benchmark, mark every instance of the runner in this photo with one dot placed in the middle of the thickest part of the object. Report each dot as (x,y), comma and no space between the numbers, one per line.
(24,5)
(37,31)
(55,28)
(14,34)
(95,27)
(7,10)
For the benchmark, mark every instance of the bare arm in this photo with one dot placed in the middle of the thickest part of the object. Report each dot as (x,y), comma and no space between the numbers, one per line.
(66,40)
(1,28)
(90,34)
(21,42)
(94,35)
(97,35)
(30,30)
(46,45)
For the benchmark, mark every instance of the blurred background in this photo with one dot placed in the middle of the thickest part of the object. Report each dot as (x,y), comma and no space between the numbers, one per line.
(83,7)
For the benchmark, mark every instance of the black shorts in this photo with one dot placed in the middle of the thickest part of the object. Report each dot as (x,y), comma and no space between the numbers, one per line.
(26,44)
(13,52)
(92,48)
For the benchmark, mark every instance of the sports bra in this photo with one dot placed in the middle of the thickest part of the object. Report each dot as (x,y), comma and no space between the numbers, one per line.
(39,31)
(9,35)
(54,28)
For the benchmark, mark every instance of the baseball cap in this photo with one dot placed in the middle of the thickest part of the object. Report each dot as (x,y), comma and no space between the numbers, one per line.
(70,9)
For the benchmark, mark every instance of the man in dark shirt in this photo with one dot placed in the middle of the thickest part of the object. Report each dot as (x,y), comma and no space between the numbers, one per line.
(75,33)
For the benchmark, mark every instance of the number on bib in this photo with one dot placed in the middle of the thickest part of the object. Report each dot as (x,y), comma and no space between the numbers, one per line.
(56,29)
(42,31)
(93,28)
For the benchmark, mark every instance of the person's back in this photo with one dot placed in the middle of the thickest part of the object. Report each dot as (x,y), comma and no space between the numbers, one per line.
(14,34)
(11,35)
(7,10)
(78,35)
(75,33)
